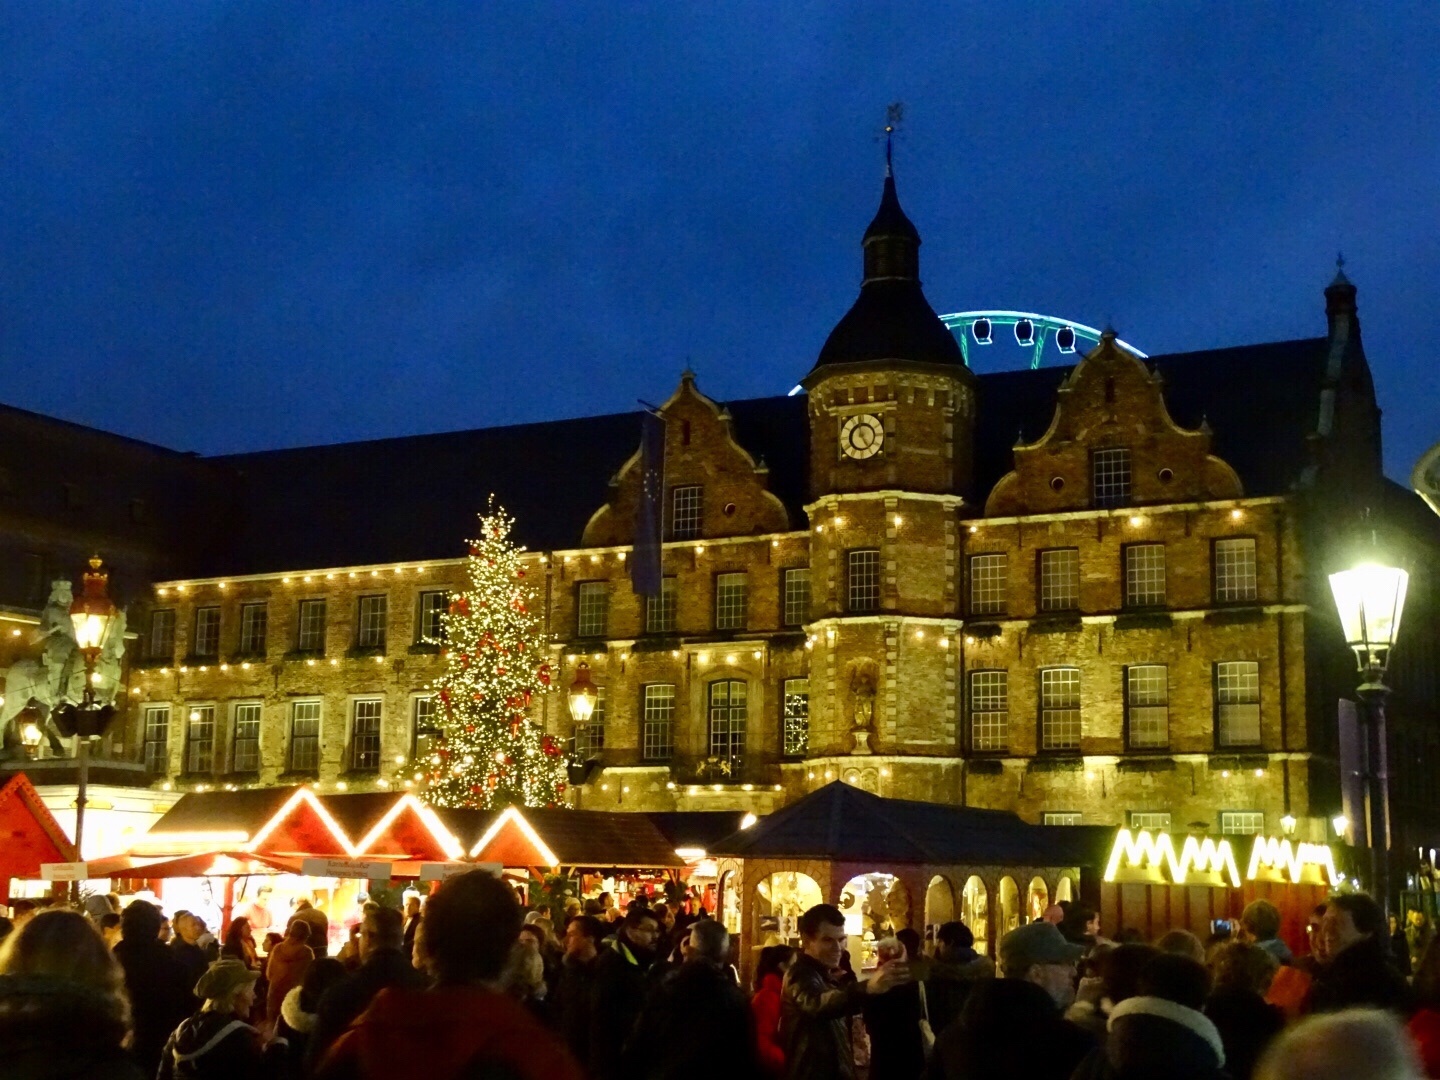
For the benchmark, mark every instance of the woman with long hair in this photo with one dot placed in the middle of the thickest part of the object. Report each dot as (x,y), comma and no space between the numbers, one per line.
(63,1008)
(240,944)
(774,961)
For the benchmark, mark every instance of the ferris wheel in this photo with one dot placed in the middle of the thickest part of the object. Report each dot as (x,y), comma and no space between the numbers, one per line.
(976,328)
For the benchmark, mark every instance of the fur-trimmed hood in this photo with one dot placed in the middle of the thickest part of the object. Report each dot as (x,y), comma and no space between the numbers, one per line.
(54,1028)
(297,1018)
(1156,1036)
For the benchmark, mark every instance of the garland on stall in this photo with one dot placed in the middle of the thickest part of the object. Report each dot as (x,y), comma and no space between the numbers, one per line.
(489,753)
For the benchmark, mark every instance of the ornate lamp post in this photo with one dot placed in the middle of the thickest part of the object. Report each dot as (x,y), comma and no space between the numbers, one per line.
(583,695)
(92,615)
(1370,599)
(30,733)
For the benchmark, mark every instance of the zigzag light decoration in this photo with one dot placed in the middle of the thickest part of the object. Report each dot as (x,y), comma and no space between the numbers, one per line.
(1280,857)
(1150,853)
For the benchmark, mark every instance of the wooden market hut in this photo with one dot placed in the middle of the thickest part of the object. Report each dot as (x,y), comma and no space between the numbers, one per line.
(30,836)
(987,868)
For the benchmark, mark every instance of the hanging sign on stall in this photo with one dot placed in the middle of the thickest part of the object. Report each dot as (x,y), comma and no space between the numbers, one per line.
(64,871)
(346,868)
(441,871)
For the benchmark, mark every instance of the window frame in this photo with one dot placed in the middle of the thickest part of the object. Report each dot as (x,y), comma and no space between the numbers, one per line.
(236,739)
(291,741)
(1215,562)
(431,605)
(1043,604)
(650,724)
(1043,709)
(789,601)
(353,750)
(592,620)
(694,516)
(371,633)
(990,607)
(794,728)
(1220,823)
(869,603)
(154,650)
(1133,820)
(1134,599)
(247,645)
(311,604)
(1221,741)
(1046,815)
(1003,745)
(661,610)
(1121,496)
(207,649)
(148,740)
(189,765)
(1131,742)
(418,730)
(726,616)
(721,731)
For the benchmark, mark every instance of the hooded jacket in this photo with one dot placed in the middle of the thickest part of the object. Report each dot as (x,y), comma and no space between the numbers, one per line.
(447,1033)
(617,994)
(765,1011)
(1154,1038)
(215,1045)
(51,1029)
(1008,1029)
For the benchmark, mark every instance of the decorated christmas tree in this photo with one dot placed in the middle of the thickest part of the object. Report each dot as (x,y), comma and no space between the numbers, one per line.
(489,753)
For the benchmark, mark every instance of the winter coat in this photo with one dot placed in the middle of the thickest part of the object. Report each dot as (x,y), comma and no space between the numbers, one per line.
(161,988)
(1361,975)
(572,1005)
(1424,1028)
(214,1045)
(892,1020)
(352,995)
(319,941)
(1278,949)
(52,1029)
(1008,1029)
(617,994)
(295,1026)
(1290,991)
(447,1034)
(815,1022)
(1153,1038)
(695,1026)
(284,970)
(1247,1024)
(949,982)
(194,959)
(765,1011)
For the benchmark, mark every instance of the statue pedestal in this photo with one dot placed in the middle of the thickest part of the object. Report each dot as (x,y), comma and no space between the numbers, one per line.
(862,741)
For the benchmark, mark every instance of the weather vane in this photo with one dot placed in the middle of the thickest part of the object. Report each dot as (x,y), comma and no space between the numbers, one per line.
(894,117)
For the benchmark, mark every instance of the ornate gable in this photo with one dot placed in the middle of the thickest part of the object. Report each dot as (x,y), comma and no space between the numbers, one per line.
(1112,401)
(700,450)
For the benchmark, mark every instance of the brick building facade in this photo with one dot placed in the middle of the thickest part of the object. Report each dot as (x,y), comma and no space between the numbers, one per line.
(1119,616)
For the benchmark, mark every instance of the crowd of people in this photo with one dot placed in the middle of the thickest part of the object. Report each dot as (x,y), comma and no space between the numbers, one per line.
(467,984)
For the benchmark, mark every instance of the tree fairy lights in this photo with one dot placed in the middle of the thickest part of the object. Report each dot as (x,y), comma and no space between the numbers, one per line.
(490,754)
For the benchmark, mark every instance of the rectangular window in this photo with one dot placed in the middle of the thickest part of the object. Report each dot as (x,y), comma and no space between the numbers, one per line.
(732,594)
(160,645)
(1147,706)
(989,711)
(424,727)
(1060,817)
(207,631)
(989,577)
(592,608)
(1234,562)
(657,737)
(365,734)
(305,736)
(429,627)
(686,504)
(590,736)
(1237,702)
(862,592)
(728,712)
(797,596)
(254,621)
(1145,575)
(795,718)
(157,739)
(1242,822)
(370,620)
(1059,708)
(660,610)
(1151,820)
(245,743)
(310,627)
(1110,476)
(200,740)
(1060,579)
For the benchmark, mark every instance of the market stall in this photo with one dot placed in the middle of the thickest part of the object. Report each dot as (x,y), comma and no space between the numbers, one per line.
(30,837)
(891,863)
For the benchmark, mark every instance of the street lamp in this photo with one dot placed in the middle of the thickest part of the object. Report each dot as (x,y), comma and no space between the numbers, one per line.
(30,734)
(1370,600)
(583,695)
(92,615)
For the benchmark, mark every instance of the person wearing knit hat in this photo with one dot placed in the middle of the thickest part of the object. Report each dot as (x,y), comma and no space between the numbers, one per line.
(217,1041)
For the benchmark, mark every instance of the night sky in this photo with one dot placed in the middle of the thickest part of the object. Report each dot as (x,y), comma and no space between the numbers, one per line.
(238,226)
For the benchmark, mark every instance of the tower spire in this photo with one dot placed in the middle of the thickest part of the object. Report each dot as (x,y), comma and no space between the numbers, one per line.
(894,116)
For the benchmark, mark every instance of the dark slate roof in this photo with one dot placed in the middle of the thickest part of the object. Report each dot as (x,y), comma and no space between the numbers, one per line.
(214,811)
(697,828)
(403,499)
(602,839)
(843,823)
(890,219)
(890,320)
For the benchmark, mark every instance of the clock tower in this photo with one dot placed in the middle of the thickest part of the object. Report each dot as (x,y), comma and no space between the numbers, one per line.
(891,413)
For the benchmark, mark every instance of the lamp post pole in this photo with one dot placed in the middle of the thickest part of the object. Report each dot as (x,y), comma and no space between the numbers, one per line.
(1372,694)
(82,752)
(93,616)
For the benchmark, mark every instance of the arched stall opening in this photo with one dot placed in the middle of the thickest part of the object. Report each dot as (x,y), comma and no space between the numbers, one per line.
(874,906)
(1064,890)
(939,906)
(1037,900)
(975,913)
(780,900)
(729,893)
(1009,906)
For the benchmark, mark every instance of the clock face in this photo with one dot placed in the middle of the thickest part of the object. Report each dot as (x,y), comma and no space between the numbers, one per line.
(862,436)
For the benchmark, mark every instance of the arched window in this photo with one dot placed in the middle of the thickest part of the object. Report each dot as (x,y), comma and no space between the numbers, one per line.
(1038,900)
(975,913)
(1009,906)
(780,900)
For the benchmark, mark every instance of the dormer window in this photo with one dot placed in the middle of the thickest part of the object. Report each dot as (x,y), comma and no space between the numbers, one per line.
(686,504)
(1110,476)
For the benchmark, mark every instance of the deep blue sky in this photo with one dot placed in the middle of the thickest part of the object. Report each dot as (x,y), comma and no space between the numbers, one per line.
(237,226)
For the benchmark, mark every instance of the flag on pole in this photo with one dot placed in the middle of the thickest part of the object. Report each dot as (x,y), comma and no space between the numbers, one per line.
(645,569)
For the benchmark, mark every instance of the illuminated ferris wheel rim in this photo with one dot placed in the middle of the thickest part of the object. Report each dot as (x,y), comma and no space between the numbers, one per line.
(1031,331)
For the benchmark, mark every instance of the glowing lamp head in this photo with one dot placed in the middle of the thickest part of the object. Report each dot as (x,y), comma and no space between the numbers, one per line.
(1288,823)
(92,613)
(1341,823)
(30,734)
(583,695)
(1370,600)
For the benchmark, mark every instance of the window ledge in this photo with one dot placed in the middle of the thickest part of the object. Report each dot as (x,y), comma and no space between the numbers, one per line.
(1149,760)
(1240,613)
(361,652)
(1144,620)
(1056,624)
(987,765)
(298,777)
(424,648)
(295,655)
(1057,761)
